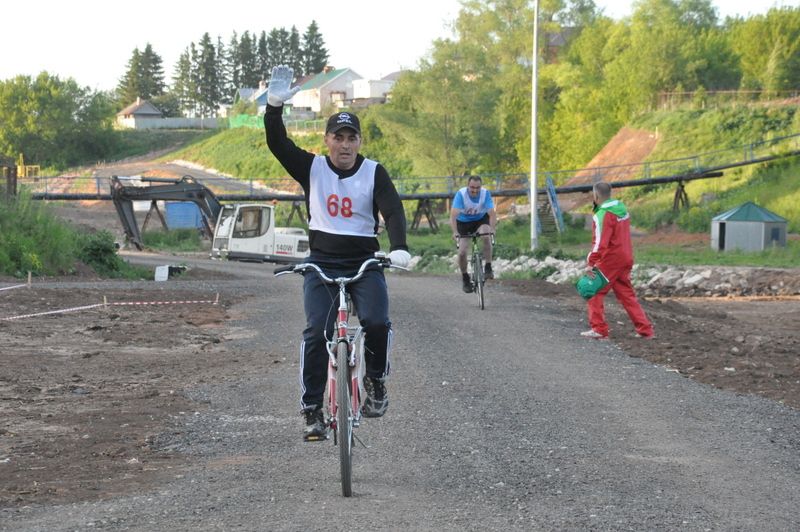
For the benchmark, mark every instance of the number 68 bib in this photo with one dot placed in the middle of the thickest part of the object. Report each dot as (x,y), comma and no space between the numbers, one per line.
(342,206)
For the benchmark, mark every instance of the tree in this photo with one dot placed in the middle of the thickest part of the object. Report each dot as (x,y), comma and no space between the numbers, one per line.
(183,85)
(54,122)
(129,87)
(264,61)
(144,77)
(152,78)
(233,66)
(769,47)
(225,88)
(208,96)
(295,55)
(278,44)
(313,51)
(248,61)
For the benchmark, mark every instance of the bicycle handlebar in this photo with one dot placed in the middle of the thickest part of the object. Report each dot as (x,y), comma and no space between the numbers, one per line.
(380,259)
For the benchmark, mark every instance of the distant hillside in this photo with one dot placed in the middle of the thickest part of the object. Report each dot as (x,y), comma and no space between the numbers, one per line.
(675,141)
(654,137)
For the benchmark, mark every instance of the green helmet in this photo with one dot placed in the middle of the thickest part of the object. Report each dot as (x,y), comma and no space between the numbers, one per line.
(589,286)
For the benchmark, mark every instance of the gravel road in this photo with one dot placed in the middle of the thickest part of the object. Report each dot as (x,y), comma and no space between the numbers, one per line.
(503,419)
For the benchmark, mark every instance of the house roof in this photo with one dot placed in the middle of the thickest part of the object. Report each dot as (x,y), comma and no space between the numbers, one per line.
(748,212)
(323,78)
(140,108)
(246,93)
(394,76)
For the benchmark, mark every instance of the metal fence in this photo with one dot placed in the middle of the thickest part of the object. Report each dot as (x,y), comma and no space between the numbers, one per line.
(733,156)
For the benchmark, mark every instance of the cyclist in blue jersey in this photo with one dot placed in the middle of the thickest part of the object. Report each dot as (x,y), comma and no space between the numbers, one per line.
(473,211)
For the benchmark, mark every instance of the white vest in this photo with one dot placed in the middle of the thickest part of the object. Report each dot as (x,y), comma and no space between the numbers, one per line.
(473,208)
(342,206)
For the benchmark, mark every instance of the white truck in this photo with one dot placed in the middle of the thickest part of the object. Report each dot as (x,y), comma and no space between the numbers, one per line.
(243,232)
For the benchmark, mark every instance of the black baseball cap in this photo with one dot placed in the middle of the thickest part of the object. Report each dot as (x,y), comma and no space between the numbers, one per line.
(343,120)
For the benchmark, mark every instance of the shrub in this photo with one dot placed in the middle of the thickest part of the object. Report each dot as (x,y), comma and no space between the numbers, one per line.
(100,253)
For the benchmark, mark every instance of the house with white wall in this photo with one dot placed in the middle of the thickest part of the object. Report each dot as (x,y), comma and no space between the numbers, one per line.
(331,86)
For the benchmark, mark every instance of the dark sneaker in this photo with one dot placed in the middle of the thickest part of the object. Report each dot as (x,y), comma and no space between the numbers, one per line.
(377,401)
(487,272)
(316,429)
(466,283)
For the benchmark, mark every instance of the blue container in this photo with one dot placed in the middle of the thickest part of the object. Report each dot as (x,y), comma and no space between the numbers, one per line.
(183,215)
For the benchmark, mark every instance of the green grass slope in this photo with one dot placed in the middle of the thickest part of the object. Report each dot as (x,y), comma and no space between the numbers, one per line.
(718,136)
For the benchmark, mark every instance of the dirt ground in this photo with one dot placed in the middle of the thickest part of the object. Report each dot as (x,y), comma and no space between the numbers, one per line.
(84,394)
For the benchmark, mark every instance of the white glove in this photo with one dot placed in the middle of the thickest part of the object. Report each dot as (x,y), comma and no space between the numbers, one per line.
(280,84)
(400,257)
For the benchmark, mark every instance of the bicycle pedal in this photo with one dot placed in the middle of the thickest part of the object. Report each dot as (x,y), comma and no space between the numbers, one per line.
(317,438)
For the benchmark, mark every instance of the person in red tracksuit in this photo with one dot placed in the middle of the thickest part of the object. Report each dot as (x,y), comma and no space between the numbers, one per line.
(612,254)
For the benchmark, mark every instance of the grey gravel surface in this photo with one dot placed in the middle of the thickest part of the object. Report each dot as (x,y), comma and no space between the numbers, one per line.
(502,419)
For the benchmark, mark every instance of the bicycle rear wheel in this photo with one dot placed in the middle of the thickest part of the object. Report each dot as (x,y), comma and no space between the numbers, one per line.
(344,418)
(477,278)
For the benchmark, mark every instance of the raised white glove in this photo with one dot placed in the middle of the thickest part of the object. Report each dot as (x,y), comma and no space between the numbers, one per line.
(400,257)
(280,86)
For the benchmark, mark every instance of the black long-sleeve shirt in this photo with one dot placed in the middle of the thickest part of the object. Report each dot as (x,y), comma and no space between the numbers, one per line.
(297,162)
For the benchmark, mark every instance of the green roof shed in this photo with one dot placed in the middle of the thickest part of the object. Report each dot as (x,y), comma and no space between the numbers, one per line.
(747,227)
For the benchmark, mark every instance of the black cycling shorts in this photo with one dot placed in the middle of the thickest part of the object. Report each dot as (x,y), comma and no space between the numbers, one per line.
(466,228)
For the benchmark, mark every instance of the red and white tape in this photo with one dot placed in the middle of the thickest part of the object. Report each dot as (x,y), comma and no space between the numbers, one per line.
(59,311)
(26,285)
(106,303)
(13,287)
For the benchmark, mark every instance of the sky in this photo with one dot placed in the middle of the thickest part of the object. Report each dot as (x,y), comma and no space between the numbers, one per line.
(92,42)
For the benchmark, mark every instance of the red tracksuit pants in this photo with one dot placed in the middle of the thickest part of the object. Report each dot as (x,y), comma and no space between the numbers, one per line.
(620,282)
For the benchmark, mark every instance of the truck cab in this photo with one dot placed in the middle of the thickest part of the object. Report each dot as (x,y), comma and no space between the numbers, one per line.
(247,232)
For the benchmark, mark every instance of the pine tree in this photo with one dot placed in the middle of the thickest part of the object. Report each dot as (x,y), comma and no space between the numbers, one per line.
(226,88)
(263,57)
(248,61)
(129,87)
(295,58)
(207,78)
(278,44)
(315,55)
(182,83)
(152,75)
(234,68)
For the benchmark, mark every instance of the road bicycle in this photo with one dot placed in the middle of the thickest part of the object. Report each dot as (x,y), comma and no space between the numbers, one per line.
(346,368)
(477,276)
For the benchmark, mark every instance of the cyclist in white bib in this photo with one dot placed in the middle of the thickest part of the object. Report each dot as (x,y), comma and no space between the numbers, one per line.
(345,193)
(472,211)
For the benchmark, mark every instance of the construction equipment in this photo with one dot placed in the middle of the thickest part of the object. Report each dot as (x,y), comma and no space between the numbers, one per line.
(239,231)
(27,170)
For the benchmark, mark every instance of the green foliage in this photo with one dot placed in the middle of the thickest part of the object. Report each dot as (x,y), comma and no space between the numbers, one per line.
(787,257)
(173,240)
(54,123)
(144,77)
(769,48)
(99,251)
(32,239)
(242,152)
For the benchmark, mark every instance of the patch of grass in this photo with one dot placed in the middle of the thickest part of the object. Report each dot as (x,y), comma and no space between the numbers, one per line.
(174,240)
(242,152)
(786,257)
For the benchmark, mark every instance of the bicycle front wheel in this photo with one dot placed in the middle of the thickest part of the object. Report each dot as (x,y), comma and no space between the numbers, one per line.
(477,278)
(344,417)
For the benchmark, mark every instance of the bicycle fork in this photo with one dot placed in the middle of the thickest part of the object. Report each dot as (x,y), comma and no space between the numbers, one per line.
(354,338)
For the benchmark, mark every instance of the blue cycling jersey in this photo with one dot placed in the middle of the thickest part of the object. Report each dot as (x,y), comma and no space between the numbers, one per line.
(472,208)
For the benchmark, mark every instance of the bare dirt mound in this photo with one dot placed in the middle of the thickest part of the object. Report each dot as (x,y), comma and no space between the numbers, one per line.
(625,151)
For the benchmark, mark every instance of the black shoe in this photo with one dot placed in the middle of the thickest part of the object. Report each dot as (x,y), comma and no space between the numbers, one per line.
(377,401)
(316,429)
(487,272)
(467,283)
